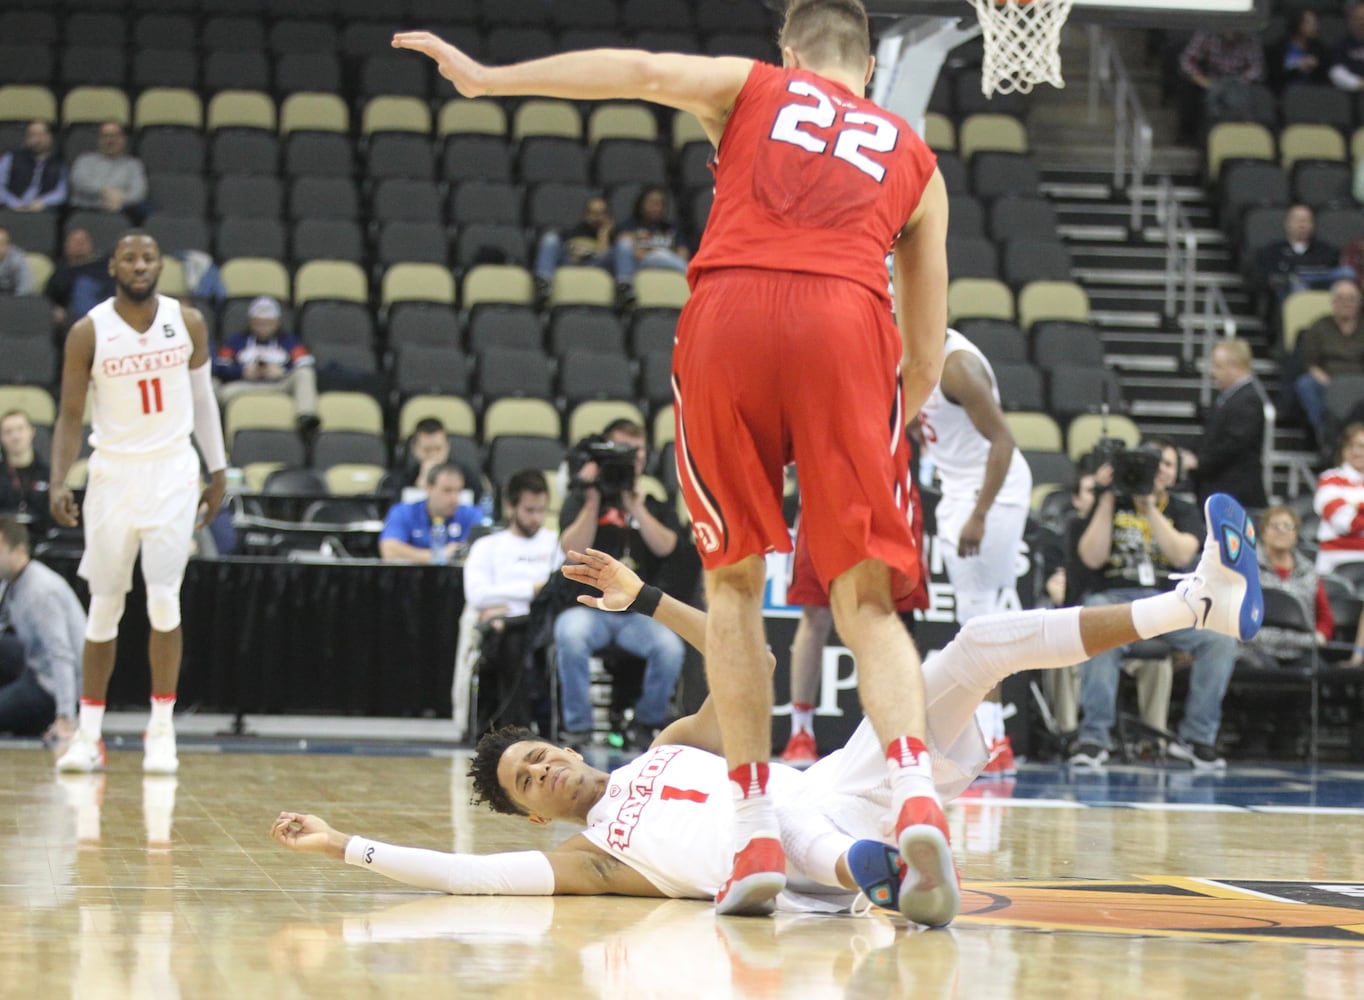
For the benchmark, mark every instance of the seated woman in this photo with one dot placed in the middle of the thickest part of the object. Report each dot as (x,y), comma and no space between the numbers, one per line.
(650,239)
(1339,502)
(1283,567)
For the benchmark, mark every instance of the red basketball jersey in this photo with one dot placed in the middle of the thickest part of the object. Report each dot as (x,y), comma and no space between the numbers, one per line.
(811,178)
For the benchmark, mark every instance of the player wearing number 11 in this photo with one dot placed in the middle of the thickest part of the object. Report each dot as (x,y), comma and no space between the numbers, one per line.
(787,351)
(145,359)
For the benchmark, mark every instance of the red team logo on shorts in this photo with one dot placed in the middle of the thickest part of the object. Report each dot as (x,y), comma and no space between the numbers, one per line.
(706,539)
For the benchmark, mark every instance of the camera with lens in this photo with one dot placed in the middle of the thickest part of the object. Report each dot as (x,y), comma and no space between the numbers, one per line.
(615,464)
(1134,469)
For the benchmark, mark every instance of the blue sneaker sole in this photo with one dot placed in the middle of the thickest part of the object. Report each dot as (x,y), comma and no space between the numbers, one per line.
(1236,542)
(875,867)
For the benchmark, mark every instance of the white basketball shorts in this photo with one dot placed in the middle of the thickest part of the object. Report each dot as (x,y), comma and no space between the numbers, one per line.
(130,503)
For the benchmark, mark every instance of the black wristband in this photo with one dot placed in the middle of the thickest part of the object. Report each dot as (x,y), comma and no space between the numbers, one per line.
(646,601)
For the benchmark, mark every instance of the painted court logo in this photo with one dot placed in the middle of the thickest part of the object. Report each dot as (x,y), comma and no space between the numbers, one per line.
(1223,909)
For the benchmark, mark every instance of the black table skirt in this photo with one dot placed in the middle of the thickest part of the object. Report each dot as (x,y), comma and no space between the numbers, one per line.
(270,636)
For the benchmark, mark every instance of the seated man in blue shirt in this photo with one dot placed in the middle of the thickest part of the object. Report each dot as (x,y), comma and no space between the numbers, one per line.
(407,529)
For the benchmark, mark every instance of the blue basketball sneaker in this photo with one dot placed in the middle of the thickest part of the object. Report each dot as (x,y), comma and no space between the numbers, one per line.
(1223,591)
(878,871)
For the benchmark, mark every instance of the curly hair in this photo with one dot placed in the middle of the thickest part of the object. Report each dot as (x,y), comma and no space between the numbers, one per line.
(483,768)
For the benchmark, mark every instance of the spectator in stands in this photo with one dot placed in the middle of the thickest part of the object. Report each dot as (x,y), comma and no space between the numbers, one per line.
(1299,260)
(1230,456)
(407,534)
(1283,567)
(650,239)
(1222,65)
(263,358)
(1128,549)
(110,179)
(16,277)
(588,244)
(80,282)
(42,634)
(1331,346)
(1339,503)
(1298,57)
(24,476)
(1347,61)
(427,447)
(32,178)
(502,575)
(642,532)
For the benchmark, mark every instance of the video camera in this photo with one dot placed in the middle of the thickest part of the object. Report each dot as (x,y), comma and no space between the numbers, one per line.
(1134,469)
(615,464)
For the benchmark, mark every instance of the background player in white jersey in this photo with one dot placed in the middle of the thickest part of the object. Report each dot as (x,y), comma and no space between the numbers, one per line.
(145,358)
(986,490)
(659,825)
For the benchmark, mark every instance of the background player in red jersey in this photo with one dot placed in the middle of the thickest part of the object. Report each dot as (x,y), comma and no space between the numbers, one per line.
(787,351)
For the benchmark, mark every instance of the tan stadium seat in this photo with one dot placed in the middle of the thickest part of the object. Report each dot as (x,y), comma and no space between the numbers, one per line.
(313,112)
(348,479)
(454,412)
(547,117)
(1034,431)
(530,417)
(1301,310)
(336,280)
(939,132)
(665,429)
(1086,429)
(1237,141)
(582,286)
(979,297)
(24,103)
(657,289)
(241,109)
(95,104)
(477,117)
(621,120)
(34,400)
(1039,300)
(270,410)
(991,133)
(168,106)
(246,277)
(350,411)
(590,417)
(500,283)
(418,283)
(395,114)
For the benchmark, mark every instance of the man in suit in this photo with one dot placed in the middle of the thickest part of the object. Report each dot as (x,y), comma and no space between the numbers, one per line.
(1229,458)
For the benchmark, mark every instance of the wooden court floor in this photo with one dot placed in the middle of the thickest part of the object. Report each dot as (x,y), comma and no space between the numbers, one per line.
(125,887)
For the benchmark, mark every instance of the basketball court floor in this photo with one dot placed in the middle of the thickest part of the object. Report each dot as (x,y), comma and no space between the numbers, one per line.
(1137,881)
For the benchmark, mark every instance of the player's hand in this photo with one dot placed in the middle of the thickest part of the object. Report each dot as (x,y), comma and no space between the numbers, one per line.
(310,834)
(968,542)
(619,585)
(468,75)
(62,505)
(212,499)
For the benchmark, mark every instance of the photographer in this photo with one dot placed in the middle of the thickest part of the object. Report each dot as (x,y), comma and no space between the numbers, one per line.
(603,511)
(1136,537)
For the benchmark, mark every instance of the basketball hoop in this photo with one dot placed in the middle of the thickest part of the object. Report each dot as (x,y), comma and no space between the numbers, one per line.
(1022,43)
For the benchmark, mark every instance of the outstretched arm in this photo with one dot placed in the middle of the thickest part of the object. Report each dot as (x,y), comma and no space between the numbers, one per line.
(706,86)
(576,868)
(620,585)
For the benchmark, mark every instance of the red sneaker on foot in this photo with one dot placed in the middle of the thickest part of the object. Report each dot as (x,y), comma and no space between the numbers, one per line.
(800,750)
(759,874)
(1001,764)
(930,892)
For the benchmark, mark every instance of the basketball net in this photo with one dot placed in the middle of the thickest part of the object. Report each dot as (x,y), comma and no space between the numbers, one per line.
(1022,43)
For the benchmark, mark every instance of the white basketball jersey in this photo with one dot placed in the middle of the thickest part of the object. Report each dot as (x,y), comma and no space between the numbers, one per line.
(958,450)
(142,400)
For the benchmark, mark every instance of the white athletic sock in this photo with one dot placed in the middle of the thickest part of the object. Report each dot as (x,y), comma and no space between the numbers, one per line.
(802,719)
(1168,612)
(988,650)
(911,770)
(91,721)
(163,706)
(755,814)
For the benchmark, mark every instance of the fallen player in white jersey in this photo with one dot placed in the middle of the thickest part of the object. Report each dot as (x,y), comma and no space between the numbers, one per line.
(659,826)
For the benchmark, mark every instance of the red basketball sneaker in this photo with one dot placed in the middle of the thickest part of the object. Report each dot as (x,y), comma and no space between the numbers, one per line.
(759,875)
(930,893)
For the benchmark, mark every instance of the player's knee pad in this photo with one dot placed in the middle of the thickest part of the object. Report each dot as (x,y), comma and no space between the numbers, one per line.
(163,607)
(106,611)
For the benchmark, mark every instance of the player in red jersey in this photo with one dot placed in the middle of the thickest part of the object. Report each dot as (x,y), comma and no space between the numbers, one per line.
(787,350)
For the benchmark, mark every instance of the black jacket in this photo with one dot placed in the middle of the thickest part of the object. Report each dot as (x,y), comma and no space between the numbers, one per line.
(1229,457)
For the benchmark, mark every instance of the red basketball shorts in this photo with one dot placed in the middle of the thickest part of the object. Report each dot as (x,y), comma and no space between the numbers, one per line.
(772,367)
